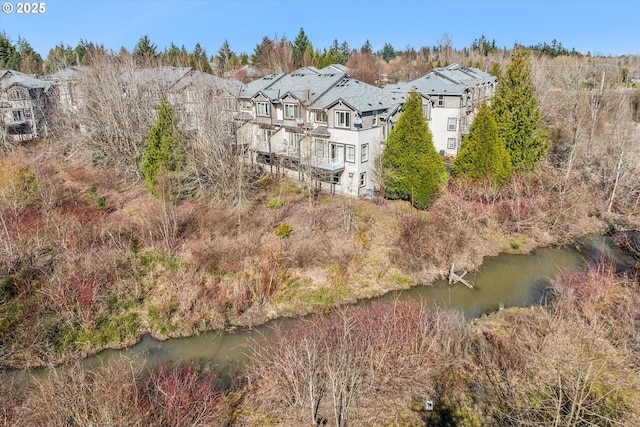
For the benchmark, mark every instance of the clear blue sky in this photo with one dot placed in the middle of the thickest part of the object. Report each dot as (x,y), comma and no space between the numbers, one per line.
(608,27)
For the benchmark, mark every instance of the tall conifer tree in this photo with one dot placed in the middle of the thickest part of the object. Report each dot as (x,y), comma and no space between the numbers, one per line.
(299,48)
(411,167)
(483,154)
(163,152)
(516,113)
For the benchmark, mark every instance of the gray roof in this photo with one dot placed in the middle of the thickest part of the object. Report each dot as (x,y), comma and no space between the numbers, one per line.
(203,80)
(69,73)
(335,67)
(360,96)
(305,85)
(452,80)
(165,77)
(10,78)
(251,89)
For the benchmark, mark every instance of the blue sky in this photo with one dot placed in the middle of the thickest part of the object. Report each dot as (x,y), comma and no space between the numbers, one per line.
(607,27)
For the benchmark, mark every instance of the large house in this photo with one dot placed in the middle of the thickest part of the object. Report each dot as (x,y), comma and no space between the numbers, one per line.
(451,97)
(23,106)
(318,125)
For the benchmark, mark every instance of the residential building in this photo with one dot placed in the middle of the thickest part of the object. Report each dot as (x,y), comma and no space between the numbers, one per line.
(23,106)
(68,88)
(451,97)
(318,125)
(198,94)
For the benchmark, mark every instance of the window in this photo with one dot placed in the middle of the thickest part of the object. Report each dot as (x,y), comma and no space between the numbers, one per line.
(18,94)
(266,134)
(351,154)
(425,112)
(321,116)
(363,179)
(229,103)
(295,139)
(18,115)
(343,119)
(27,114)
(192,120)
(319,148)
(263,109)
(383,133)
(336,153)
(375,119)
(291,111)
(451,123)
(451,143)
(364,153)
(440,100)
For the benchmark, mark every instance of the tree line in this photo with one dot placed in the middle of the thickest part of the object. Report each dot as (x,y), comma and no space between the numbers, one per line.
(271,53)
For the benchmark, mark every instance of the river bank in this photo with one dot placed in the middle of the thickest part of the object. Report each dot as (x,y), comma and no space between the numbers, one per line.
(108,263)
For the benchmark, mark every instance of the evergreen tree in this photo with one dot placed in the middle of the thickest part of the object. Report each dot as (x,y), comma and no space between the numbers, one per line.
(366,47)
(9,56)
(516,113)
(225,58)
(145,52)
(299,48)
(483,154)
(199,60)
(387,53)
(496,70)
(410,165)
(260,56)
(163,153)
(30,60)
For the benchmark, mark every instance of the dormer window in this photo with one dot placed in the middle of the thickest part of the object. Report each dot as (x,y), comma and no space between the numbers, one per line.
(343,119)
(291,111)
(263,109)
(18,94)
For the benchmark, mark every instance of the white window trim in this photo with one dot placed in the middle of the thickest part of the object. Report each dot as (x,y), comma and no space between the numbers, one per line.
(455,124)
(319,148)
(345,114)
(440,100)
(334,149)
(364,153)
(350,157)
(295,108)
(267,109)
(18,94)
(374,119)
(451,143)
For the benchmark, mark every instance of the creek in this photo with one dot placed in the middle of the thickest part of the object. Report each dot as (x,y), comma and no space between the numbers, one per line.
(502,281)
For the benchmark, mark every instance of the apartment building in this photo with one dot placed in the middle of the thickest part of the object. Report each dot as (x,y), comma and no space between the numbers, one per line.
(451,97)
(23,106)
(318,125)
